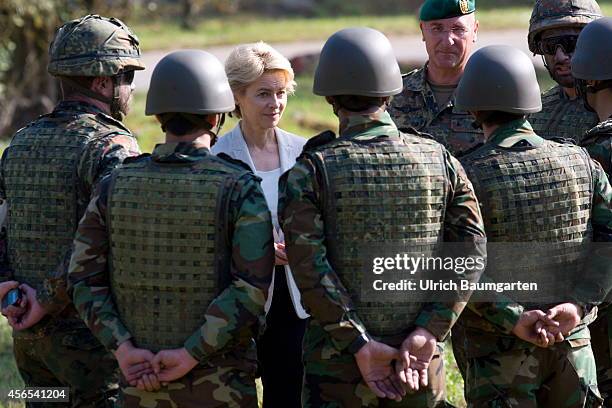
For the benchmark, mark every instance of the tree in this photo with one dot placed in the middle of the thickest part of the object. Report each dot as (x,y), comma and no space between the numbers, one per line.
(26,29)
(26,90)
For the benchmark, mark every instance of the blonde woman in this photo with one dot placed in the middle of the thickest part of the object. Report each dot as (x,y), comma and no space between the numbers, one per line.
(261,79)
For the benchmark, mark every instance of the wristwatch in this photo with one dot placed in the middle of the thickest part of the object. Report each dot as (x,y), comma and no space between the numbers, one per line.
(358,343)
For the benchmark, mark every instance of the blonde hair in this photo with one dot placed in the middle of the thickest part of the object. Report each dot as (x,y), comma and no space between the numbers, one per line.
(248,62)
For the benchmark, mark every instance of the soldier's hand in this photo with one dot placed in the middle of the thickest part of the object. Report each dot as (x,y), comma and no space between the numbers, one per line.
(34,312)
(136,366)
(374,360)
(280,256)
(567,314)
(170,365)
(12,311)
(416,354)
(529,328)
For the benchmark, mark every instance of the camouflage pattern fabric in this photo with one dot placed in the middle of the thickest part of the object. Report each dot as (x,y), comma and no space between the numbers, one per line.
(215,384)
(601,337)
(47,175)
(598,142)
(332,379)
(416,107)
(109,143)
(501,368)
(68,357)
(562,117)
(549,14)
(562,376)
(231,320)
(170,306)
(325,294)
(94,46)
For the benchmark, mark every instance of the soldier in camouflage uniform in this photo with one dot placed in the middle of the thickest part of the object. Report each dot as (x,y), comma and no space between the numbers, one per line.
(553,30)
(47,175)
(592,69)
(427,102)
(175,252)
(524,183)
(330,207)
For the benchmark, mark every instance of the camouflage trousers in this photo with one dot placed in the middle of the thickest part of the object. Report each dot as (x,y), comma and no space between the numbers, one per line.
(458,339)
(601,340)
(561,376)
(56,353)
(332,379)
(202,387)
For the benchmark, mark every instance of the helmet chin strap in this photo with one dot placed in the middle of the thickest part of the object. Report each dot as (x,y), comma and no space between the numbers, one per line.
(220,124)
(546,66)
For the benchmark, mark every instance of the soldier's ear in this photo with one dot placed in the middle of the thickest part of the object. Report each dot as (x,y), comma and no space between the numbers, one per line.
(103,86)
(421,27)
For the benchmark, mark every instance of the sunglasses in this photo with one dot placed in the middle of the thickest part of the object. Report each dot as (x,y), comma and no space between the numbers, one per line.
(126,77)
(549,45)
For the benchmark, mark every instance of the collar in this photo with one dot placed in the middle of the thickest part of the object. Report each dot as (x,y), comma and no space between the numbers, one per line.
(87,108)
(183,152)
(516,131)
(80,106)
(366,125)
(416,80)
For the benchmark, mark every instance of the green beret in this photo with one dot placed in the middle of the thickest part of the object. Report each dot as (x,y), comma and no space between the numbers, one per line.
(439,9)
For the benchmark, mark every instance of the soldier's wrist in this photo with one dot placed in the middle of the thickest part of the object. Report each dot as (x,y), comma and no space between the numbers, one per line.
(358,343)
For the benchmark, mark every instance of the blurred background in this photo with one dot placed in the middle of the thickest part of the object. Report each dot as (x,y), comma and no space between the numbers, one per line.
(297,28)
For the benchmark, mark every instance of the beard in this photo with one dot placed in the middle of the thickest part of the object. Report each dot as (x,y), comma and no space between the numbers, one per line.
(121,107)
(565,80)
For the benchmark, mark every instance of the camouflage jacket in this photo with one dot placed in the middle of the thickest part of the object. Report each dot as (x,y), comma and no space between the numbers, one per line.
(301,217)
(232,313)
(495,320)
(562,117)
(416,107)
(98,159)
(598,142)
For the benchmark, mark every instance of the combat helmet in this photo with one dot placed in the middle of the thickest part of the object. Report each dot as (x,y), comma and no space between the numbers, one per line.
(499,78)
(548,14)
(591,60)
(191,83)
(94,46)
(357,61)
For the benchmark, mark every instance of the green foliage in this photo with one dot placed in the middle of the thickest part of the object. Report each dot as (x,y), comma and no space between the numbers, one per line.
(9,376)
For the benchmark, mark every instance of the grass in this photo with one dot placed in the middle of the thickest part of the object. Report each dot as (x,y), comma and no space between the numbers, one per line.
(9,377)
(166,34)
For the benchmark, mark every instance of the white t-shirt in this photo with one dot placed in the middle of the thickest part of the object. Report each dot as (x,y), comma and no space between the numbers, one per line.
(269,185)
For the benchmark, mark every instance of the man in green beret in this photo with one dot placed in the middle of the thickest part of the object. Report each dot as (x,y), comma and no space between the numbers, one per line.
(449,29)
(427,102)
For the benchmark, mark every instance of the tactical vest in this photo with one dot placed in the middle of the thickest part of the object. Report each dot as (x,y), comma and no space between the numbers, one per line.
(538,195)
(384,191)
(42,188)
(169,249)
(562,117)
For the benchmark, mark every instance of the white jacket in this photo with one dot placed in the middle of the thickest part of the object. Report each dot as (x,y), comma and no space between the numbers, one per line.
(289,148)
